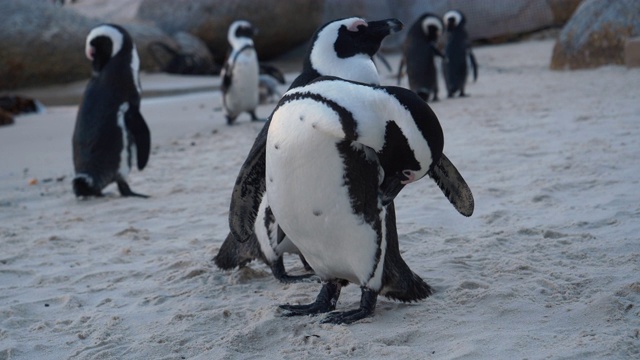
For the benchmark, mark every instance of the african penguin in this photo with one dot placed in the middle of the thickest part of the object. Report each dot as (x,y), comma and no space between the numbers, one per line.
(240,75)
(457,50)
(419,53)
(110,135)
(344,48)
(334,164)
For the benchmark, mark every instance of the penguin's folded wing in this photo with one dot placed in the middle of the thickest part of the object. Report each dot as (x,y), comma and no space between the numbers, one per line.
(226,78)
(474,65)
(449,180)
(249,189)
(141,135)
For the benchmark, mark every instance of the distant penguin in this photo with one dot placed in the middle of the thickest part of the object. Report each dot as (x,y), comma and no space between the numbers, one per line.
(240,75)
(343,48)
(419,52)
(334,164)
(457,50)
(110,135)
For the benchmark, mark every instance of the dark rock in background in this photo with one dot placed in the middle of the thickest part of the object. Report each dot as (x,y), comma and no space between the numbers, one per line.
(282,25)
(596,34)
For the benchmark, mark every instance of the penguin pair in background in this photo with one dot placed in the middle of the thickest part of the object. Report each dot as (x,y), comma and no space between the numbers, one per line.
(419,53)
(240,74)
(110,135)
(334,164)
(344,48)
(457,50)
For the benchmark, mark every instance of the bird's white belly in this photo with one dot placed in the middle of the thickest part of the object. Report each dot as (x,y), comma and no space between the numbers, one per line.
(243,94)
(307,193)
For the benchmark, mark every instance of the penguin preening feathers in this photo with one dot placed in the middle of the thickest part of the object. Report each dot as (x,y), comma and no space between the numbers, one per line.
(240,75)
(343,47)
(457,50)
(334,164)
(110,134)
(419,53)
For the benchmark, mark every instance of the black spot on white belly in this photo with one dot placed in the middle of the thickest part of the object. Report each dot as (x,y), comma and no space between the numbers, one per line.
(301,118)
(317,212)
(277,146)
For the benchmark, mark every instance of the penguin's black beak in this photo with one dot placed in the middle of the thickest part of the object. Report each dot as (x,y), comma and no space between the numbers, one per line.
(383,28)
(390,188)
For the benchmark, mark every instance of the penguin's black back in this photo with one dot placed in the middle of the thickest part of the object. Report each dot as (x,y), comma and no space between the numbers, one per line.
(456,55)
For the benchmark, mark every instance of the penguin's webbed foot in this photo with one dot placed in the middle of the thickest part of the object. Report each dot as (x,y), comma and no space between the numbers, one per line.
(367,306)
(325,301)
(277,268)
(125,190)
(254,117)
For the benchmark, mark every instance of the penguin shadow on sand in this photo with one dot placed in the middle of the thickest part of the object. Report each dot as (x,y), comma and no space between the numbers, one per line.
(110,135)
(345,48)
(422,47)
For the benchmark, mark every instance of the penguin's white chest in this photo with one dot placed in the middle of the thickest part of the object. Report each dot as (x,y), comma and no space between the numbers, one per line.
(243,93)
(308,195)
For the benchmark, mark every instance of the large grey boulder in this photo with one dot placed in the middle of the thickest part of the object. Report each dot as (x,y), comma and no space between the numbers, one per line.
(486,20)
(42,44)
(282,25)
(596,34)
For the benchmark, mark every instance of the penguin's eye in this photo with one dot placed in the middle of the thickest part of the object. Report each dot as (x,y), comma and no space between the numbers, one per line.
(357,25)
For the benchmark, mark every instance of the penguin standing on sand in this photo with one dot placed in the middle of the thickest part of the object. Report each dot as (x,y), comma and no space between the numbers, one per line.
(343,48)
(334,164)
(419,53)
(110,135)
(240,75)
(457,50)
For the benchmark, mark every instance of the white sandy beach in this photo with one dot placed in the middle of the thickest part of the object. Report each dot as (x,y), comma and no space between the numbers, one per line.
(548,267)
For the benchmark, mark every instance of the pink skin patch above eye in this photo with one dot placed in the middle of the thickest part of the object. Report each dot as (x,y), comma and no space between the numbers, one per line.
(91,51)
(411,177)
(355,24)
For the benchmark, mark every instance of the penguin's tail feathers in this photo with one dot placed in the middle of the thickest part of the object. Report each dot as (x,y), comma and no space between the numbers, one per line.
(410,288)
(83,185)
(234,254)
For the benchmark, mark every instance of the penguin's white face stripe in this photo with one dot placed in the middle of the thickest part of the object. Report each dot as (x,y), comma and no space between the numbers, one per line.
(371,108)
(325,60)
(125,163)
(105,30)
(457,17)
(135,69)
(235,41)
(431,21)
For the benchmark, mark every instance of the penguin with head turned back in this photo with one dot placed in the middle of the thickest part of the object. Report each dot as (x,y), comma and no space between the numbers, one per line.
(419,54)
(343,47)
(457,50)
(334,164)
(110,134)
(241,73)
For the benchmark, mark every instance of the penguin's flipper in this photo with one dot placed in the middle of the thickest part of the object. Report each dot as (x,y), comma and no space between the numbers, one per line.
(141,135)
(449,180)
(249,189)
(474,65)
(400,68)
(274,72)
(226,78)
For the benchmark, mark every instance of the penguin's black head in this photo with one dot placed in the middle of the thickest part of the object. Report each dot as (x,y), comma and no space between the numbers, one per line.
(454,19)
(246,31)
(428,25)
(409,152)
(356,36)
(105,42)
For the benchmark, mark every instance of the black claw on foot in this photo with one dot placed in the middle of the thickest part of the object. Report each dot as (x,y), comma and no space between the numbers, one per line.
(367,306)
(325,302)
